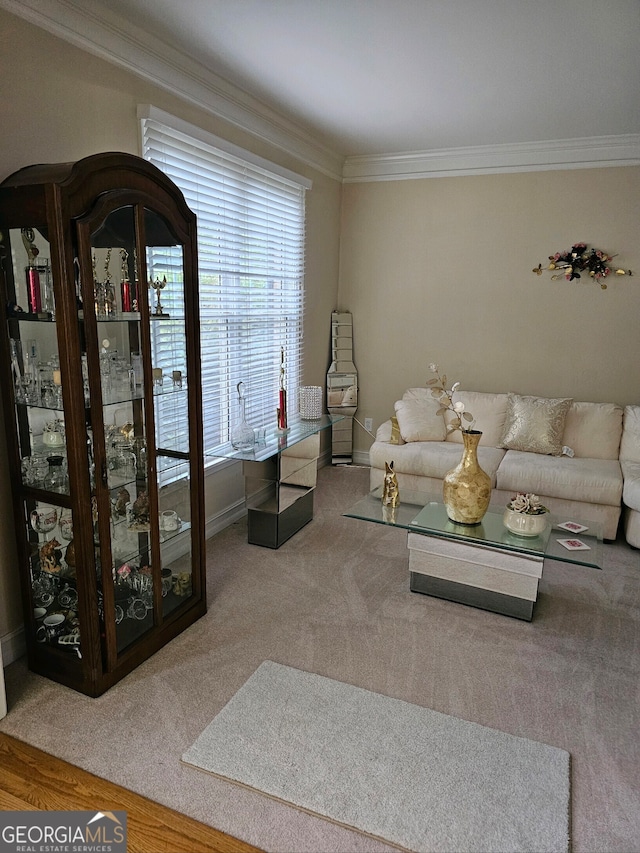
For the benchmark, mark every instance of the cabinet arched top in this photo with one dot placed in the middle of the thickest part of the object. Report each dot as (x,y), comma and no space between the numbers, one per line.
(111,217)
(79,183)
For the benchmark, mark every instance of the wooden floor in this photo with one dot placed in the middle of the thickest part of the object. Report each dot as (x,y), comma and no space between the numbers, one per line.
(31,779)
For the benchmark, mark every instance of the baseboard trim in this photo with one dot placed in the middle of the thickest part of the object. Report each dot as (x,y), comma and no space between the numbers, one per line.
(14,646)
(361,457)
(223,519)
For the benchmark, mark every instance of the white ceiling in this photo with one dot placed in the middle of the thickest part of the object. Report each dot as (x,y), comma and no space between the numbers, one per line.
(380,77)
(384,76)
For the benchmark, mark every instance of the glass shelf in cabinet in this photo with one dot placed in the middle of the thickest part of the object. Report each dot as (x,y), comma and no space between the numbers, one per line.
(165,464)
(40,448)
(43,495)
(119,481)
(24,316)
(182,528)
(116,398)
(121,317)
(124,555)
(170,386)
(176,319)
(39,406)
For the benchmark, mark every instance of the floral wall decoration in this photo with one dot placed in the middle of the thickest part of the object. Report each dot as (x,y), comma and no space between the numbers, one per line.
(581,259)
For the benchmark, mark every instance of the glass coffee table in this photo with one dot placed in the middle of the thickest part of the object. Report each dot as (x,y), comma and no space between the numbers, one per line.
(483,565)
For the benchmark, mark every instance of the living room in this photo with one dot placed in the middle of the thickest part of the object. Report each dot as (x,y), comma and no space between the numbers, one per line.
(432,268)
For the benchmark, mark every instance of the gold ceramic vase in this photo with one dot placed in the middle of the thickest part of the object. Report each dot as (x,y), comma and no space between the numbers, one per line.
(467,488)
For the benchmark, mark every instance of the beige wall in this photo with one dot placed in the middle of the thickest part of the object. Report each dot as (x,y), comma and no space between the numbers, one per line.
(440,270)
(61,104)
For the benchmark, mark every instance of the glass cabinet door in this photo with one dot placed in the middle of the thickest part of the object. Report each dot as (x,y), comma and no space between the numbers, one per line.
(116,379)
(137,382)
(37,379)
(168,344)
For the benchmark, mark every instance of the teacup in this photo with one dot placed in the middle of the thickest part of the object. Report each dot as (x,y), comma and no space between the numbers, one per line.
(169,520)
(53,439)
(68,597)
(54,625)
(53,434)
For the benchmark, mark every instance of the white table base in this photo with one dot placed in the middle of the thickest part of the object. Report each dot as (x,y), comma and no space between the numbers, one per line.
(490,578)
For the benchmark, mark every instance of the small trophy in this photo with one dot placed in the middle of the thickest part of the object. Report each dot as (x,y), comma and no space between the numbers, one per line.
(109,291)
(159,286)
(34,296)
(127,289)
(282,399)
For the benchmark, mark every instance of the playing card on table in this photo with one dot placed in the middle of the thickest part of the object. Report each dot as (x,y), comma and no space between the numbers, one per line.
(573,526)
(574,545)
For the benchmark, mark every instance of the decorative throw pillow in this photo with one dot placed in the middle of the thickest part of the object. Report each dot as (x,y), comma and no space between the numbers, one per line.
(418,420)
(395,431)
(535,424)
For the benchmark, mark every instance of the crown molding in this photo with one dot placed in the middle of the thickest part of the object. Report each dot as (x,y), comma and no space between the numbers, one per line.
(581,153)
(101,33)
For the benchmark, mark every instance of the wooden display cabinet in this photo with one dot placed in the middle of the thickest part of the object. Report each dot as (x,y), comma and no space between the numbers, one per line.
(102,402)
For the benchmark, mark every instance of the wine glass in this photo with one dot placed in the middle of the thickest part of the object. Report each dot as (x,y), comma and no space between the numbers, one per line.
(43,520)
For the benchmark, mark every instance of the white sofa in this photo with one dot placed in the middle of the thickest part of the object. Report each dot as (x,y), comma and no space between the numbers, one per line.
(630,463)
(584,481)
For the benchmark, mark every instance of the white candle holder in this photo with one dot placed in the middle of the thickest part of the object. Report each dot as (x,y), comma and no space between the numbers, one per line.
(310,402)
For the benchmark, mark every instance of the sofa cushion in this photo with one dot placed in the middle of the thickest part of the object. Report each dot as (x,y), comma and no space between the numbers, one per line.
(418,418)
(631,489)
(388,433)
(431,458)
(593,430)
(535,424)
(630,443)
(489,411)
(587,480)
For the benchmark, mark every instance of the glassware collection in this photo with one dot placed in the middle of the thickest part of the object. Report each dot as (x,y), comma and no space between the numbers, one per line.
(37,385)
(105,461)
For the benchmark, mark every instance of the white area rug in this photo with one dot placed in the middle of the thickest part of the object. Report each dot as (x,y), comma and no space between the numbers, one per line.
(413,777)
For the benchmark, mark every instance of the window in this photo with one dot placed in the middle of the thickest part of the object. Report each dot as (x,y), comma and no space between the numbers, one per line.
(251,268)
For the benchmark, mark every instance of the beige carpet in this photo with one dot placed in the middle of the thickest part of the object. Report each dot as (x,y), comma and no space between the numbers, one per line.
(334,600)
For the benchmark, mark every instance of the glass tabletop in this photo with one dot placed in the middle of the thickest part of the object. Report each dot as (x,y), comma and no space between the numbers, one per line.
(424,513)
(275,442)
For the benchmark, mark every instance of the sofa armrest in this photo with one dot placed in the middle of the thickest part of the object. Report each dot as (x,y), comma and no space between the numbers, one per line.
(630,442)
(631,487)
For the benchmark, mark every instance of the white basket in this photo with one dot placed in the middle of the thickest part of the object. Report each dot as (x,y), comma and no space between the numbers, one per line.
(310,402)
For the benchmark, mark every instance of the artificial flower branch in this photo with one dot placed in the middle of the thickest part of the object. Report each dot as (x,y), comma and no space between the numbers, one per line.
(580,259)
(445,398)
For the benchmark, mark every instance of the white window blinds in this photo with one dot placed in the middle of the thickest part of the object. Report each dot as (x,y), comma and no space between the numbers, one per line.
(251,270)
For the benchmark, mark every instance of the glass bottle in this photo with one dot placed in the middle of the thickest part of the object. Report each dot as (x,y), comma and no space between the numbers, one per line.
(242,434)
(56,479)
